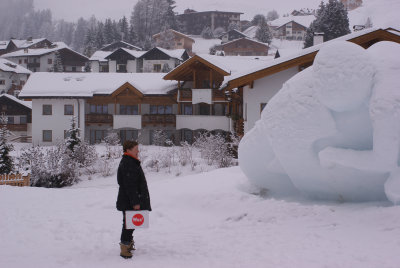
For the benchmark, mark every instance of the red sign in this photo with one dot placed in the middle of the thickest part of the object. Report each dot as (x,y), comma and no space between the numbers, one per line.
(137,219)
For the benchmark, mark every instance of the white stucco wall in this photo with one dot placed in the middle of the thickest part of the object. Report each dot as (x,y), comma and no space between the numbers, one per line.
(148,64)
(57,122)
(127,121)
(207,122)
(112,66)
(131,66)
(263,90)
(95,66)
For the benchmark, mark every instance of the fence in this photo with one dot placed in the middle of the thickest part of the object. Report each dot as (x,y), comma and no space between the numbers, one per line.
(15,179)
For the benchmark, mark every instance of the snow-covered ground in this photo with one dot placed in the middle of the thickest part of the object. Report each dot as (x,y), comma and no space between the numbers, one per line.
(211,219)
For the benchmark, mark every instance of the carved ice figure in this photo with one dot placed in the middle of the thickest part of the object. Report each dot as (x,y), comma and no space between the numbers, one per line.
(321,124)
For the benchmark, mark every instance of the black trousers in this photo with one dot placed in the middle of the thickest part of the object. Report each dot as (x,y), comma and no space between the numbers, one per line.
(126,235)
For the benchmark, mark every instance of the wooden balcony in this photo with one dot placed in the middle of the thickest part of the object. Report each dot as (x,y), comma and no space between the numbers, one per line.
(17,127)
(99,119)
(158,120)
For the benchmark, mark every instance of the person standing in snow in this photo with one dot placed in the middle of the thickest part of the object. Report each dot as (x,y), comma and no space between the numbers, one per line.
(133,193)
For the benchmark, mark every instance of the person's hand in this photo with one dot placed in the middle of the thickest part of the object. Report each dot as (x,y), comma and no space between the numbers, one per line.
(136,207)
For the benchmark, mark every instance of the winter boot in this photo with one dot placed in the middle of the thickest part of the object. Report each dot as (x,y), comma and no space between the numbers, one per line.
(132,246)
(125,251)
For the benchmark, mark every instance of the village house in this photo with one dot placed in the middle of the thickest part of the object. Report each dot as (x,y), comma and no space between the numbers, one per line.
(244,47)
(133,105)
(124,60)
(194,22)
(292,27)
(12,77)
(231,35)
(158,60)
(16,44)
(19,117)
(179,40)
(43,59)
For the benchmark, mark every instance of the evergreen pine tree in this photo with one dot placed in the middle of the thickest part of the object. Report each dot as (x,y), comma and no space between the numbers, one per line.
(233,26)
(332,20)
(170,17)
(73,138)
(90,40)
(207,33)
(6,162)
(124,28)
(166,40)
(263,33)
(57,64)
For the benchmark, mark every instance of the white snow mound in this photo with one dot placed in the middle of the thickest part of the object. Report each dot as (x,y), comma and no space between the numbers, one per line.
(333,130)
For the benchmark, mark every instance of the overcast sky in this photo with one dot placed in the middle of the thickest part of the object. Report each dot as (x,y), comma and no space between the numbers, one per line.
(71,10)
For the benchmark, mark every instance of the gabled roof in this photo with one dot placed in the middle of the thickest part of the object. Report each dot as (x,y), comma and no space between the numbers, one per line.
(364,38)
(226,66)
(4,44)
(8,66)
(173,53)
(302,20)
(100,55)
(27,104)
(233,31)
(27,43)
(243,38)
(41,51)
(177,33)
(123,43)
(251,31)
(133,53)
(86,85)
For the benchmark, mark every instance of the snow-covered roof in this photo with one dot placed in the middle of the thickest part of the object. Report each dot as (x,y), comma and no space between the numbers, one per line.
(177,33)
(26,43)
(173,53)
(134,53)
(4,44)
(8,66)
(302,20)
(36,51)
(84,85)
(27,104)
(123,42)
(245,38)
(251,31)
(100,55)
(300,53)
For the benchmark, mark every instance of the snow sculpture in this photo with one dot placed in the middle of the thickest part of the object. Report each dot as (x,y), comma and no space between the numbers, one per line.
(333,130)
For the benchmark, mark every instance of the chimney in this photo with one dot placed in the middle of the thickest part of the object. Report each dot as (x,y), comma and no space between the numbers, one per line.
(318,38)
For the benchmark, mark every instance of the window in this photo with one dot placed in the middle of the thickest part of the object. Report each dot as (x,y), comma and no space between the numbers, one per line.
(179,44)
(204,109)
(19,61)
(47,109)
(10,120)
(23,120)
(2,82)
(96,136)
(47,135)
(160,109)
(128,135)
(157,68)
(25,61)
(4,107)
(262,106)
(68,109)
(219,109)
(187,109)
(129,109)
(49,61)
(99,108)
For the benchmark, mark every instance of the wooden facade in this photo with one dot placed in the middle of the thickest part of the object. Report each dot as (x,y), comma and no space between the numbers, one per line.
(194,22)
(18,115)
(244,47)
(291,31)
(181,41)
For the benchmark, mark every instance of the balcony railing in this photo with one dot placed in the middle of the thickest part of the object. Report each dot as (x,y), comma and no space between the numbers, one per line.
(99,119)
(17,127)
(158,120)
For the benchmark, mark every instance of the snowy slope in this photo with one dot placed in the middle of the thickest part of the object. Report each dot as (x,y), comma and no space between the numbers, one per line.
(212,219)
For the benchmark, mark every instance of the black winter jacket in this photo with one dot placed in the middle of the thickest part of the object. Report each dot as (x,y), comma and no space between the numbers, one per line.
(133,188)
